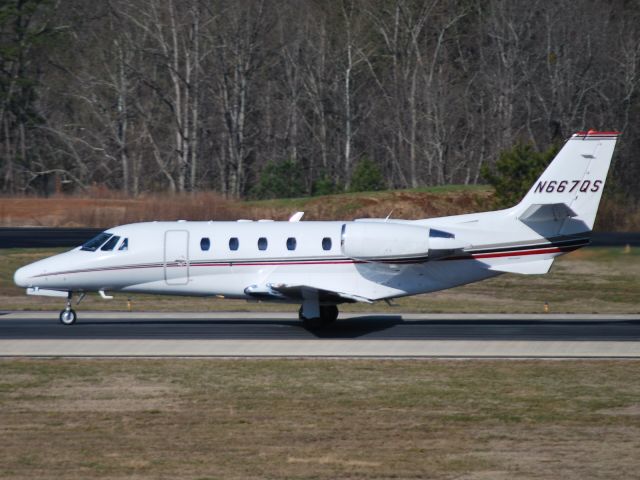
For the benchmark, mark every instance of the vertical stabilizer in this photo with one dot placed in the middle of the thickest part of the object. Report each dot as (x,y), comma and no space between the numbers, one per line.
(575,178)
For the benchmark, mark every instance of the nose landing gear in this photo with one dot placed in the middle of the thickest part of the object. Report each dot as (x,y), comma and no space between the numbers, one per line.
(68,315)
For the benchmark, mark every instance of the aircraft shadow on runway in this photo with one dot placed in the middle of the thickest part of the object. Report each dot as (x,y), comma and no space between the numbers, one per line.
(378,327)
(453,329)
(342,329)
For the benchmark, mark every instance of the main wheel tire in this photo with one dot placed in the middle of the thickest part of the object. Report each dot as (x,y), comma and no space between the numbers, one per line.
(328,315)
(68,317)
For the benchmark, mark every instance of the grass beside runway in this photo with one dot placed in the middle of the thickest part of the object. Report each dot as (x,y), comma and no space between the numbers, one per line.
(239,419)
(590,280)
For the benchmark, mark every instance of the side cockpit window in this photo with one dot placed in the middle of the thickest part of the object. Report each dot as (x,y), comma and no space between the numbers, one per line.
(110,244)
(434,233)
(125,245)
(93,244)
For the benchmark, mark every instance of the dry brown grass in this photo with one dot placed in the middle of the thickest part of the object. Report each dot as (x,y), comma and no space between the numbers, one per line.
(69,211)
(197,419)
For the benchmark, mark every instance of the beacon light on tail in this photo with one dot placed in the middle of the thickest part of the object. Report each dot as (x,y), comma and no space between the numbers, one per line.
(320,265)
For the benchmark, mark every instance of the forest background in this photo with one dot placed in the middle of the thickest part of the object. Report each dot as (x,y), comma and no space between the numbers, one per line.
(143,96)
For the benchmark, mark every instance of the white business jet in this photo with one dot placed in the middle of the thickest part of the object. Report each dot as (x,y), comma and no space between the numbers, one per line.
(320,265)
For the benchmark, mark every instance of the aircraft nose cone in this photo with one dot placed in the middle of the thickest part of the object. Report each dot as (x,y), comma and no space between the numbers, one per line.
(22,276)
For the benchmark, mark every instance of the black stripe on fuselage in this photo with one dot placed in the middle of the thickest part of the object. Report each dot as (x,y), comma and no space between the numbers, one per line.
(578,242)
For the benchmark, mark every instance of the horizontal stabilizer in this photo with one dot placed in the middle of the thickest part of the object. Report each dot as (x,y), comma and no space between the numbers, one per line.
(525,268)
(546,212)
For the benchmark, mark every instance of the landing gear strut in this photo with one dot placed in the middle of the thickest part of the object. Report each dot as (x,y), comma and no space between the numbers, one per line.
(68,315)
(328,315)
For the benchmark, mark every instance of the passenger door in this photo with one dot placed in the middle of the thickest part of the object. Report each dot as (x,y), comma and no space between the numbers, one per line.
(176,257)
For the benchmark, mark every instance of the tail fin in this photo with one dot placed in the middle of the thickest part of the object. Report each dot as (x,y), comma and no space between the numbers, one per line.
(574,179)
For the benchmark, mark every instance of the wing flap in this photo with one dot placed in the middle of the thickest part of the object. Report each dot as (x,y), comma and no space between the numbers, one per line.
(286,292)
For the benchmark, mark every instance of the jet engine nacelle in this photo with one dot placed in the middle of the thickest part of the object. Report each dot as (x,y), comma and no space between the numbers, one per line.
(376,241)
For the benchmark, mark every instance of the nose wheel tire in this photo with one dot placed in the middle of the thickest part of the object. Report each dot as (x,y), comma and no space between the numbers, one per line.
(68,316)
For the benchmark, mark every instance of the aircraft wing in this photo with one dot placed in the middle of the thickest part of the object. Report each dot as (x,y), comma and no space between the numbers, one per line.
(288,292)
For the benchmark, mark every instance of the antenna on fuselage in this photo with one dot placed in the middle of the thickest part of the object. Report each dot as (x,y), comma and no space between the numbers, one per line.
(296,217)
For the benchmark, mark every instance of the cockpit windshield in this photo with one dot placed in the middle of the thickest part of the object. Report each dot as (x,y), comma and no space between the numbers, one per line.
(93,244)
(112,242)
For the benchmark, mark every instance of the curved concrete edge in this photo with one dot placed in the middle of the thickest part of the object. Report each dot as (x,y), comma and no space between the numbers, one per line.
(316,348)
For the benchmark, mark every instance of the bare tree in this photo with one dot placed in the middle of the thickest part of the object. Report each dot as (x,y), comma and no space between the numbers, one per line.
(179,95)
(237,58)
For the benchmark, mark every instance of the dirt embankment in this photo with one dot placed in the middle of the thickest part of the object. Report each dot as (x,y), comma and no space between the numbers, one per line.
(71,211)
(105,209)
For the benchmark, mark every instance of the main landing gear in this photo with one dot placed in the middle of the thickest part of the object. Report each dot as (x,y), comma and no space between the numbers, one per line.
(68,315)
(326,315)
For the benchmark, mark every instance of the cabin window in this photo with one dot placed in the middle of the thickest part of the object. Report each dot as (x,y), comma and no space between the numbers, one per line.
(291,243)
(93,244)
(262,243)
(234,243)
(125,245)
(326,243)
(205,244)
(111,243)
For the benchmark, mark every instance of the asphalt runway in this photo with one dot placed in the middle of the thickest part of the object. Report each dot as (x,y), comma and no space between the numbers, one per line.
(281,334)
(283,326)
